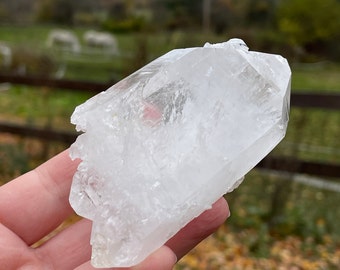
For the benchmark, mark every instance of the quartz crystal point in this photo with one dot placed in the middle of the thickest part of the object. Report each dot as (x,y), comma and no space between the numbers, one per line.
(162,145)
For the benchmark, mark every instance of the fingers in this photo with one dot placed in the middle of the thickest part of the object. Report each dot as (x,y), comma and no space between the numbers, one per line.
(10,247)
(34,204)
(199,228)
(68,249)
(164,258)
(71,247)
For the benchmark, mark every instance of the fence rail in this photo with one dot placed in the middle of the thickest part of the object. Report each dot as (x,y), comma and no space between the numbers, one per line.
(39,133)
(302,99)
(292,165)
(55,83)
(305,99)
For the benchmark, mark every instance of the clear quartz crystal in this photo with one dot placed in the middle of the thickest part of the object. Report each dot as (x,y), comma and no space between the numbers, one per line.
(162,145)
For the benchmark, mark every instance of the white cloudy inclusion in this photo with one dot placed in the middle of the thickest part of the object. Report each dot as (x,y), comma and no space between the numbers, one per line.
(162,145)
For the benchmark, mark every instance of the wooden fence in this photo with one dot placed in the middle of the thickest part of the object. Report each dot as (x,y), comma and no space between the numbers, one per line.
(302,99)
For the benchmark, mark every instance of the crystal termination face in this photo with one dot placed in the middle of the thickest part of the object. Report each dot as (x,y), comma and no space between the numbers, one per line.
(162,145)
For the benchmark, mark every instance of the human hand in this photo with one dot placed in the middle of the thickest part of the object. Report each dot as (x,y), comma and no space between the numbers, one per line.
(35,203)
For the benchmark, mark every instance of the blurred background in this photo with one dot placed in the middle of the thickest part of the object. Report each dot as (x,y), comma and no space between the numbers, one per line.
(55,54)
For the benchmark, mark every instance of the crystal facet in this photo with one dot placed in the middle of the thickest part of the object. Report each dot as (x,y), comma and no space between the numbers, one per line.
(162,145)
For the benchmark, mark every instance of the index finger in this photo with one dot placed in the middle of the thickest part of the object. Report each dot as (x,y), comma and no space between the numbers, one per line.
(35,203)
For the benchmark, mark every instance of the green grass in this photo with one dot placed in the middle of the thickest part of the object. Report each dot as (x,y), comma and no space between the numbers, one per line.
(319,77)
(39,106)
(312,135)
(34,37)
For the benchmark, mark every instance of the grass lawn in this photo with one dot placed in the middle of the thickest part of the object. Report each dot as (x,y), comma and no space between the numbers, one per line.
(320,77)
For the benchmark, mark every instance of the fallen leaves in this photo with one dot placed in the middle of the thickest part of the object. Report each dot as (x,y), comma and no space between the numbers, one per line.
(228,250)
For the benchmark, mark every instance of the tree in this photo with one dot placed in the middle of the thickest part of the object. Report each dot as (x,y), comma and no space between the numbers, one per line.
(260,12)
(305,22)
(56,11)
(184,13)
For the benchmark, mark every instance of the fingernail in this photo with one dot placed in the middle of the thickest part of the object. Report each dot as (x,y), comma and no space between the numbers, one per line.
(163,258)
(175,258)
